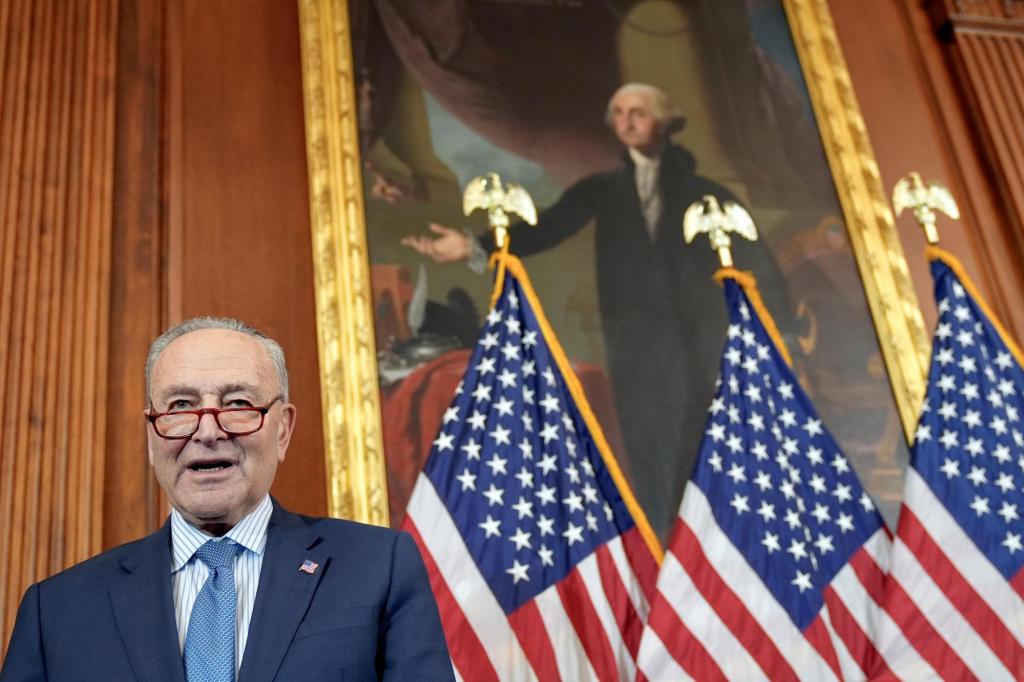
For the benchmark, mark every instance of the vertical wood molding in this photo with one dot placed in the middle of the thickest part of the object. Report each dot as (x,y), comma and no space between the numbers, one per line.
(57,69)
(994,66)
(132,499)
(986,55)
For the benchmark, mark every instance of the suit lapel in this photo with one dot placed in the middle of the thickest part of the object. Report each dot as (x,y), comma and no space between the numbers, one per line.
(625,181)
(284,593)
(144,610)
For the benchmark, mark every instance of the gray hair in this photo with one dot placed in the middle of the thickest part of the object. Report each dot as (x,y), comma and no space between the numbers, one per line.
(198,323)
(668,117)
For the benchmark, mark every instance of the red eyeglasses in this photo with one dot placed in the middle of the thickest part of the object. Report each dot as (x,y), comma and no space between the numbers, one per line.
(235,421)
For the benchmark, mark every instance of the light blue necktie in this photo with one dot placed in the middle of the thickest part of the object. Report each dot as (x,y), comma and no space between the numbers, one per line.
(210,641)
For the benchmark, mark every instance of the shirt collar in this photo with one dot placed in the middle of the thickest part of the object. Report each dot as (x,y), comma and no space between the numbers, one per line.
(641,160)
(250,532)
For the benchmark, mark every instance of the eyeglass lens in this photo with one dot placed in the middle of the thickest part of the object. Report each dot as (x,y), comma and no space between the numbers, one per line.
(185,424)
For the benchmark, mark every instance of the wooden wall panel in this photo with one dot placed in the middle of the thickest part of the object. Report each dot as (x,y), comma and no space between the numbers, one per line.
(56,158)
(993,75)
(918,118)
(983,42)
(239,241)
(138,306)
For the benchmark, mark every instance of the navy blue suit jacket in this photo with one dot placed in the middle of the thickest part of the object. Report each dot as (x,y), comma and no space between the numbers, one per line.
(366,614)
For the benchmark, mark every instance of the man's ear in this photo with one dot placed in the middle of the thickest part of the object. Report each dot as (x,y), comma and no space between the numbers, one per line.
(285,428)
(674,125)
(149,443)
(151,436)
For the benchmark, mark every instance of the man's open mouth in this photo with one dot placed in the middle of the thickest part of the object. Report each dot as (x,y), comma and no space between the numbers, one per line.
(210,466)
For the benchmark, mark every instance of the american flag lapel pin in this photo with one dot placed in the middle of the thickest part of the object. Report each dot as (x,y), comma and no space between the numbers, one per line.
(309,567)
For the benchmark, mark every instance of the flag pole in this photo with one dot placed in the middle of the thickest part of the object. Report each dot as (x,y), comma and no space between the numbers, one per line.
(910,192)
(749,567)
(942,531)
(499,259)
(717,220)
(515,266)
(748,283)
(487,193)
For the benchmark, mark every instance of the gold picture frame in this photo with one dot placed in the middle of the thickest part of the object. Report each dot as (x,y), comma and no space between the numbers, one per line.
(356,473)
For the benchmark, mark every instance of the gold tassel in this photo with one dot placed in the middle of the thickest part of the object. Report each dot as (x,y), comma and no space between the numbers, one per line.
(748,283)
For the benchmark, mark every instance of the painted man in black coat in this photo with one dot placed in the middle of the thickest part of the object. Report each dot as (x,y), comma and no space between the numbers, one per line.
(663,318)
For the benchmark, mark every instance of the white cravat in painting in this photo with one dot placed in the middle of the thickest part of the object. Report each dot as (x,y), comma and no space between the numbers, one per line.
(647,189)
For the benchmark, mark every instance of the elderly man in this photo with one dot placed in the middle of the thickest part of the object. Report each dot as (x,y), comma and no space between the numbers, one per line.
(233,585)
(662,316)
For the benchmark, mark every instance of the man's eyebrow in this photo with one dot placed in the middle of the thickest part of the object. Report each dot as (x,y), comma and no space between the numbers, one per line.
(240,388)
(179,389)
(187,389)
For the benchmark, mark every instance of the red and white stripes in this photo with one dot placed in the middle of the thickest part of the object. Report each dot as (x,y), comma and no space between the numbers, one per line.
(714,618)
(586,627)
(961,617)
(948,613)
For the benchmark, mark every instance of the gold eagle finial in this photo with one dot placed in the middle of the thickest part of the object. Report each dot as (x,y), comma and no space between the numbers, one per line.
(910,192)
(486,192)
(718,221)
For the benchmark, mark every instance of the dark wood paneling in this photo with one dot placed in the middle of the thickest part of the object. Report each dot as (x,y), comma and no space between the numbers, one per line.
(240,245)
(918,118)
(989,66)
(131,504)
(56,159)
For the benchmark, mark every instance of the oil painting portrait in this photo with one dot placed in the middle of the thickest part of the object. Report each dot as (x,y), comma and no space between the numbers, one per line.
(448,91)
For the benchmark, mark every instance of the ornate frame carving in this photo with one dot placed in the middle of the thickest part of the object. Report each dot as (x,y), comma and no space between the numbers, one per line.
(356,479)
(883,266)
(351,410)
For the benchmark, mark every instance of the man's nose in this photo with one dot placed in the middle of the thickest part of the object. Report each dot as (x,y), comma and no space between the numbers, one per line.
(208,431)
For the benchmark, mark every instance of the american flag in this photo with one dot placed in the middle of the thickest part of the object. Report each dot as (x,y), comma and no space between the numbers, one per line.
(778,555)
(540,560)
(956,582)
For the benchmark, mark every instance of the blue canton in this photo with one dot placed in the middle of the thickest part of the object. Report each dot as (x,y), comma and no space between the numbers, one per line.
(515,464)
(776,481)
(969,445)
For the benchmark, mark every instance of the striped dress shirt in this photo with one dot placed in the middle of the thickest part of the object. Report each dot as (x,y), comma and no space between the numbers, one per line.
(189,573)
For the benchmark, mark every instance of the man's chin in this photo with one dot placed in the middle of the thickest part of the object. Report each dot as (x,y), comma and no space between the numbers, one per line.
(208,507)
